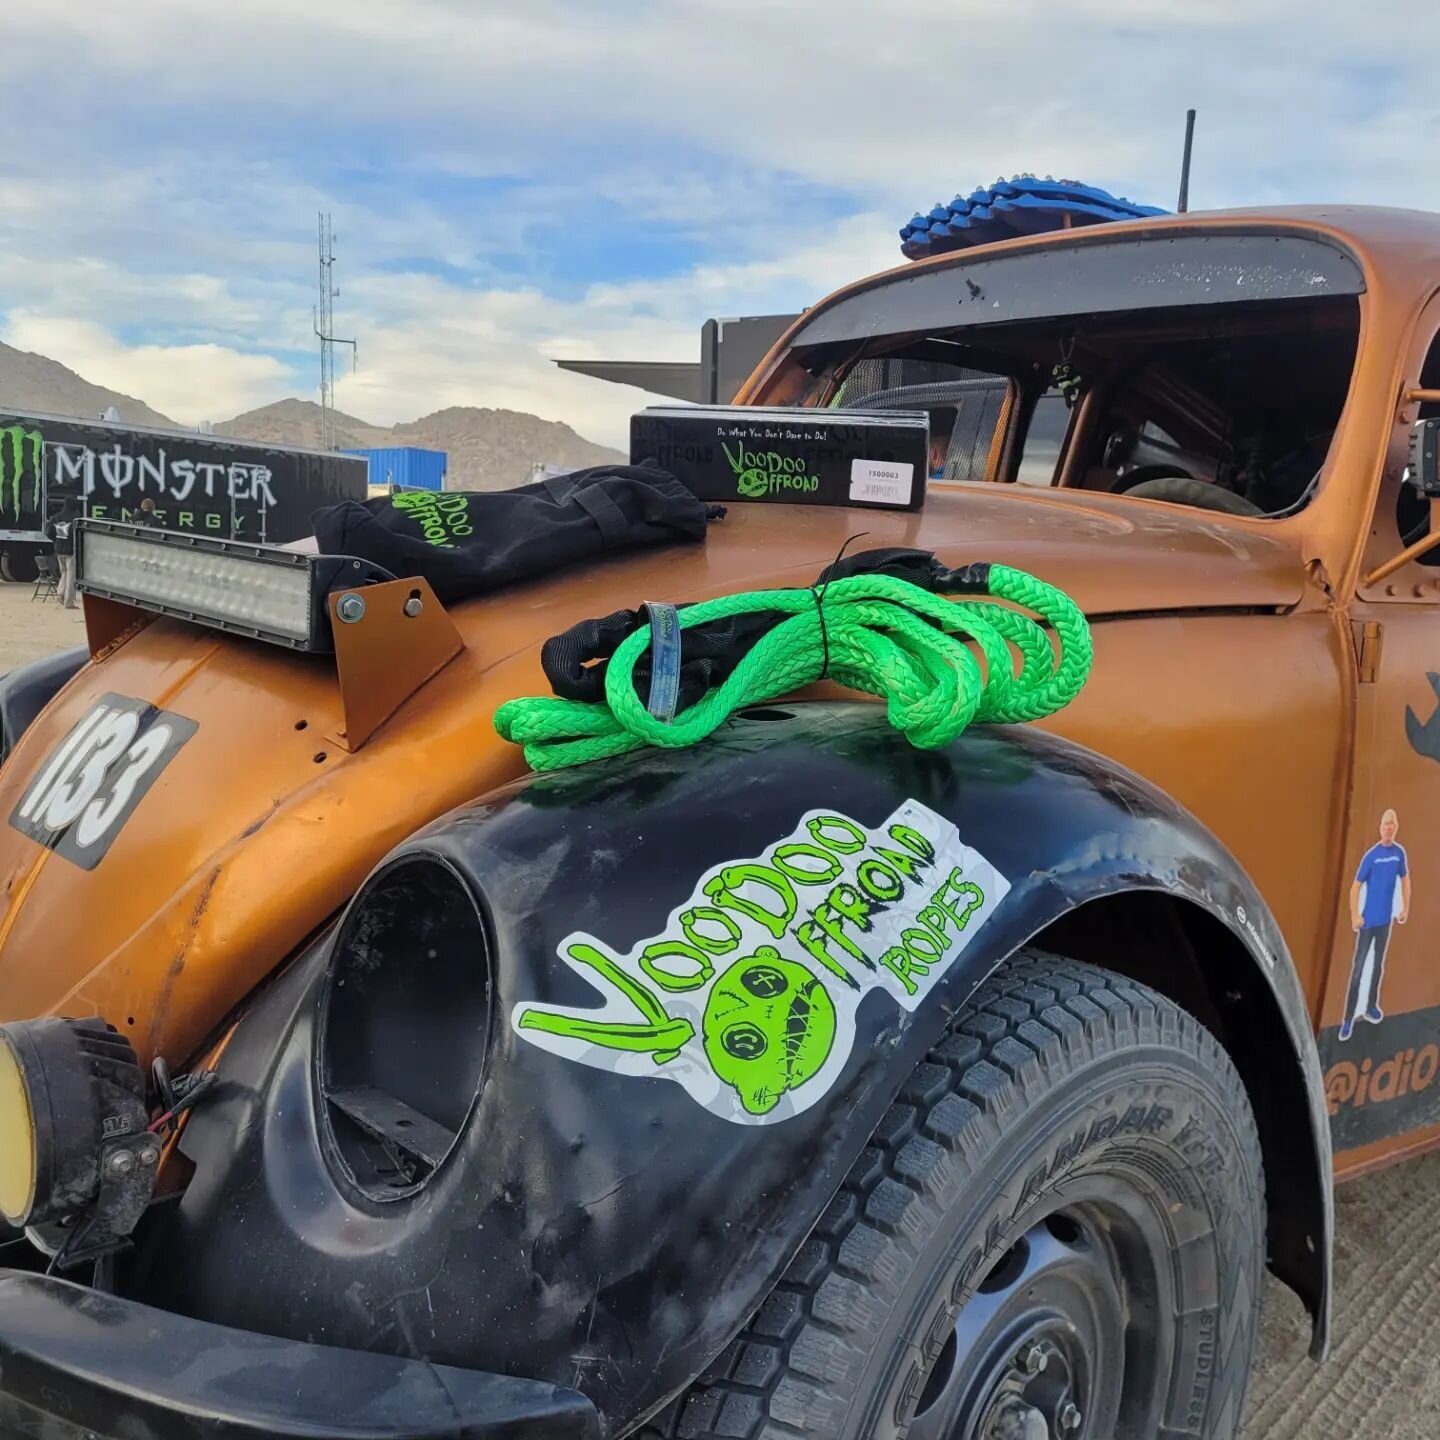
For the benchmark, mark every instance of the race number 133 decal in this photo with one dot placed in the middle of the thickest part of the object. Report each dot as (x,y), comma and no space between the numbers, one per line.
(91,782)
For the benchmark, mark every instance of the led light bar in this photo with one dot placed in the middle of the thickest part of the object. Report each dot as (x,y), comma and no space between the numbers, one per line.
(261,591)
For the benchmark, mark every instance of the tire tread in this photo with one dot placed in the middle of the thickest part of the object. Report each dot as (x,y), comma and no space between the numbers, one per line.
(1026,1027)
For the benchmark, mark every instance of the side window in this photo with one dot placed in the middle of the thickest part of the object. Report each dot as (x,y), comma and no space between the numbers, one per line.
(1041,452)
(963,435)
(1412,513)
(966,408)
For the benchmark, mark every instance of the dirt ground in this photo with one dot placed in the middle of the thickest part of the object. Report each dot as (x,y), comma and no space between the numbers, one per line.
(1382,1381)
(1383,1378)
(29,629)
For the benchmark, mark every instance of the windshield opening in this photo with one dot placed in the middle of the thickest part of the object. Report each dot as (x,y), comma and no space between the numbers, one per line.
(1228,408)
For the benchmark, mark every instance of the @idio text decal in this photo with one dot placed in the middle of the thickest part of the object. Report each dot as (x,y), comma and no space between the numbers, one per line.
(1385,1081)
(747,996)
(88,786)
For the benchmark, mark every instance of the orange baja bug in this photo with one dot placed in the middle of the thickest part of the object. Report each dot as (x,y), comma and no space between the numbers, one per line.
(832,1074)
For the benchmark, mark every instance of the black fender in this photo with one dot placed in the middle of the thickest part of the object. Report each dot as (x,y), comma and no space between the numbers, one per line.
(28,689)
(607,1231)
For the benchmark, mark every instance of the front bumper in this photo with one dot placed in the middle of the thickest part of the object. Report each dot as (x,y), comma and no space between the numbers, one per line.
(77,1363)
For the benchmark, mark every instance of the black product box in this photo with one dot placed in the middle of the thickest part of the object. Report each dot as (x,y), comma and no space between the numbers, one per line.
(868,458)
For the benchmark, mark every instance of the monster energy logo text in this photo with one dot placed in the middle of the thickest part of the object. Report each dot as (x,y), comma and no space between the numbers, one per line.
(748,996)
(20,449)
(77,465)
(762,472)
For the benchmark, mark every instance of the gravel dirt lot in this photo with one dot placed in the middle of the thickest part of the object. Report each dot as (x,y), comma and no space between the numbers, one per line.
(1382,1381)
(29,630)
(1383,1378)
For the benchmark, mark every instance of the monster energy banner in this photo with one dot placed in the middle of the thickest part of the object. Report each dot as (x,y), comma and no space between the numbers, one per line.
(208,485)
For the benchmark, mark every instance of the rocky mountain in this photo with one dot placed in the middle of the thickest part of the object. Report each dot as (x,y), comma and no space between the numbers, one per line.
(297,422)
(488,449)
(494,449)
(31,382)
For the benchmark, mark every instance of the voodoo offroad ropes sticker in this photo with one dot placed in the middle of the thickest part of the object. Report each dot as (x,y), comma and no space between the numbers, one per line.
(90,783)
(748,996)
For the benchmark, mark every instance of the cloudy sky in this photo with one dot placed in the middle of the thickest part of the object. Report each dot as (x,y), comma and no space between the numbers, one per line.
(512,182)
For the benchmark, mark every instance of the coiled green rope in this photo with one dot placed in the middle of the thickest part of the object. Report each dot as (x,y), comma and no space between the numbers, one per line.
(882,635)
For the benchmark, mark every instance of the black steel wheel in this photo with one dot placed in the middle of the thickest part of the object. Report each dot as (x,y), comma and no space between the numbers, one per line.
(1055,1234)
(1040,1347)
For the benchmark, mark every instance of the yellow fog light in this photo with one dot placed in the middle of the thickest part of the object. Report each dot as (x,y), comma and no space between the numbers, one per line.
(17,1139)
(71,1095)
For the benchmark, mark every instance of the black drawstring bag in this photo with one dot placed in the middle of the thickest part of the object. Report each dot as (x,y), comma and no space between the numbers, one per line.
(465,542)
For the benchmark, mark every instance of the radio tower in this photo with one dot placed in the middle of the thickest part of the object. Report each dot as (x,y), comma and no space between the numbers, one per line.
(324,328)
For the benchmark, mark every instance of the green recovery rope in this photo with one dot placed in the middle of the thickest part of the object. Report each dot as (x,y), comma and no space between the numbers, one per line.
(874,633)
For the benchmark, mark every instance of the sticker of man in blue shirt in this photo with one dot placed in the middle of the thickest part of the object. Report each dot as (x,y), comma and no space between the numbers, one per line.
(1384,872)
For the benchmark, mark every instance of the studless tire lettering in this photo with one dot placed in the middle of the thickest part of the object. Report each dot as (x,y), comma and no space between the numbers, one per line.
(84,792)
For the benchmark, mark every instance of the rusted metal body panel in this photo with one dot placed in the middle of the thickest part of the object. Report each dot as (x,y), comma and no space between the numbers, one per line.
(185,917)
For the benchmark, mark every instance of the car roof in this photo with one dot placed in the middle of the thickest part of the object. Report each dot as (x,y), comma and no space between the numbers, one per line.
(1363,229)
(1397,250)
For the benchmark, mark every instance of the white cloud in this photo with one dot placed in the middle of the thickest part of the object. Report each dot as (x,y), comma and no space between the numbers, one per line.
(427,345)
(909,104)
(189,383)
(424,343)
(175,156)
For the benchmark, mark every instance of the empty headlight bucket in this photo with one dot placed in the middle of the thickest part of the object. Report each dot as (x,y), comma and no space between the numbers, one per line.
(403,1027)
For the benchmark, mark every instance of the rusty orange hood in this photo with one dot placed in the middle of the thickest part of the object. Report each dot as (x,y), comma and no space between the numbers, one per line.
(260,827)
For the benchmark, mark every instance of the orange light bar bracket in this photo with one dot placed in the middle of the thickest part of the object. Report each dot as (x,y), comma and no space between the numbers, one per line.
(109,624)
(387,646)
(389,640)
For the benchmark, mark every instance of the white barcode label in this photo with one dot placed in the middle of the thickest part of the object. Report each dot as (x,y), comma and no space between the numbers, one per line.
(881,482)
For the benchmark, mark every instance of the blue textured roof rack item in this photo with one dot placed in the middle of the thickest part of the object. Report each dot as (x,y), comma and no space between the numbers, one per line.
(1023,205)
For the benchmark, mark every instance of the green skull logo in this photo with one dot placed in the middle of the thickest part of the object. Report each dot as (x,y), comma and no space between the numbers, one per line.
(769,1026)
(750,480)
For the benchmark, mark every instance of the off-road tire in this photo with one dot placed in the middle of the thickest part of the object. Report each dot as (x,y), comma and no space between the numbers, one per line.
(1054,1069)
(17,565)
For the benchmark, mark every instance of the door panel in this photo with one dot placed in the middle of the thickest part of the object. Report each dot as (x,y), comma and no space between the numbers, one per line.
(1380,1030)
(1383,997)
(1242,720)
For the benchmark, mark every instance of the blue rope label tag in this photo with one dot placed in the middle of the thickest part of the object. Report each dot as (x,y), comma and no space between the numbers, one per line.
(664,660)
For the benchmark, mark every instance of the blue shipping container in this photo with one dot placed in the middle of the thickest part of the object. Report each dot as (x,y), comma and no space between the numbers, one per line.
(406,467)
